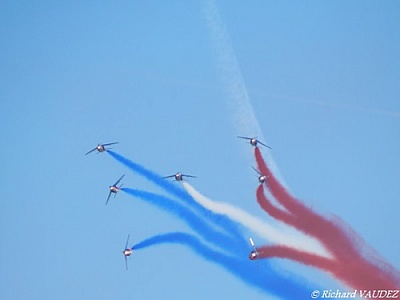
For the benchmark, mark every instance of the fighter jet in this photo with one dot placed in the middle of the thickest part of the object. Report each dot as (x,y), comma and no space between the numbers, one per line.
(179,176)
(114,189)
(253,141)
(101,148)
(127,252)
(262,178)
(254,253)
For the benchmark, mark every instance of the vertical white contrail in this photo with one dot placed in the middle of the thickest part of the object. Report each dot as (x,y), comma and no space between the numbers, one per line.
(257,226)
(244,118)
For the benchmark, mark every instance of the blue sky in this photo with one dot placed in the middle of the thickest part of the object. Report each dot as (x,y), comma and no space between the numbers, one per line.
(322,78)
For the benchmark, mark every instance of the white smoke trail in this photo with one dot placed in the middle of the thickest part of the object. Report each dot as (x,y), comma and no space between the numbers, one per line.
(246,123)
(259,227)
(244,118)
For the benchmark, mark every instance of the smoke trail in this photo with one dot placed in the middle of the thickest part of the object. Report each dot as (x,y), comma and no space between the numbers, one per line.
(348,263)
(244,118)
(267,280)
(273,211)
(329,233)
(306,258)
(223,240)
(357,273)
(181,194)
(151,176)
(254,224)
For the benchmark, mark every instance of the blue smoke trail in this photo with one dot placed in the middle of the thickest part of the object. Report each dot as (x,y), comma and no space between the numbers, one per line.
(228,225)
(152,176)
(224,241)
(267,280)
(282,285)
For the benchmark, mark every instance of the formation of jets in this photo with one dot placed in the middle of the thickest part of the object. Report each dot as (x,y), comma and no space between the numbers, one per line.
(114,189)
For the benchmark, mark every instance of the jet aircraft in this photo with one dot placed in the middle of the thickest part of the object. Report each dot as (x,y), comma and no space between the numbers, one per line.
(179,176)
(253,141)
(114,189)
(101,148)
(254,253)
(127,252)
(262,178)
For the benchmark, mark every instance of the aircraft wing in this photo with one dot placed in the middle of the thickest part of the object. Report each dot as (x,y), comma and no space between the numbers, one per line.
(126,263)
(191,176)
(119,180)
(170,176)
(127,241)
(108,144)
(90,151)
(264,144)
(251,242)
(244,137)
(256,170)
(108,198)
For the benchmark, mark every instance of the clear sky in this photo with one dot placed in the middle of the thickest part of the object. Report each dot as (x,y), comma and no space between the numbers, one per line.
(322,78)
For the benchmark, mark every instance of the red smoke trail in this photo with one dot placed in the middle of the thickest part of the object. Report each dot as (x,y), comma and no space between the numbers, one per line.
(358,274)
(303,257)
(273,211)
(348,265)
(329,233)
